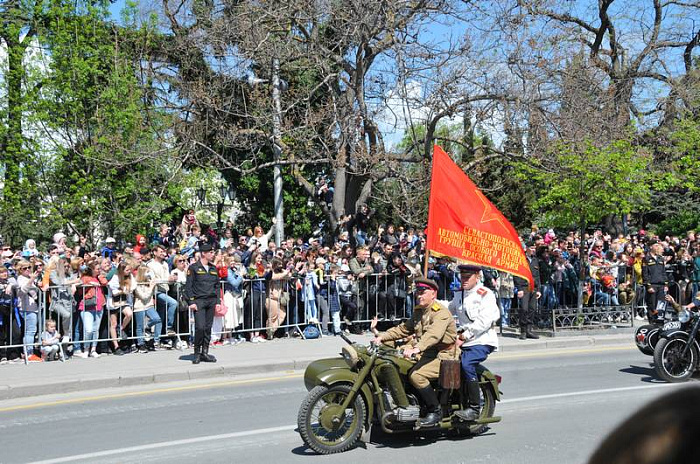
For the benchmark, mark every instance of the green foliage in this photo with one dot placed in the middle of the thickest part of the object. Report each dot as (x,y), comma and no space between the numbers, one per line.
(582,185)
(678,224)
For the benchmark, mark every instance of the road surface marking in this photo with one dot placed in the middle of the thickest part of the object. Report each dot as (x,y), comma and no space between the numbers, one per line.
(497,357)
(288,428)
(586,392)
(147,392)
(165,444)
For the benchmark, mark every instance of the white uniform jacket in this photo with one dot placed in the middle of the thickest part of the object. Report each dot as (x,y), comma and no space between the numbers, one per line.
(476,314)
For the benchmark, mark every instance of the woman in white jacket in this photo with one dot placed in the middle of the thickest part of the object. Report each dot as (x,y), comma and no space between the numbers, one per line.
(121,287)
(144,306)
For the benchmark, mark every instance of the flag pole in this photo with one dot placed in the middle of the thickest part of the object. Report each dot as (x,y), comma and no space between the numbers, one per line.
(425,263)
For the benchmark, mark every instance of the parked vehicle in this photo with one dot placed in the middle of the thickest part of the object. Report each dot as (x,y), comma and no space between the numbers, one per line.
(647,336)
(677,351)
(346,397)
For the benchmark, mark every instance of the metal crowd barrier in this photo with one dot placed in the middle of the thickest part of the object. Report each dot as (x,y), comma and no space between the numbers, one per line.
(289,307)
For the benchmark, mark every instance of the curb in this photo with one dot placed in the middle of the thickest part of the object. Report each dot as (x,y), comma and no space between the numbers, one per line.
(8,392)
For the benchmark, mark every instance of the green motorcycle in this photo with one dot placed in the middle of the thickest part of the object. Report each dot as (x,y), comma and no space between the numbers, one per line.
(347,396)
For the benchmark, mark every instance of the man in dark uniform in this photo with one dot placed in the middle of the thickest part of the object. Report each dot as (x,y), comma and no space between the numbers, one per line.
(528,299)
(201,291)
(435,334)
(654,279)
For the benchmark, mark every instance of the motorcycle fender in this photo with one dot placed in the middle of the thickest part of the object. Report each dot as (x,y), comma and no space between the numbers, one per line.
(334,371)
(674,334)
(486,375)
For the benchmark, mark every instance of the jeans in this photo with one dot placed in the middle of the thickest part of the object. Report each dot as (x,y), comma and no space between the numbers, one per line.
(153,321)
(549,299)
(505,310)
(77,330)
(91,325)
(361,237)
(30,326)
(170,305)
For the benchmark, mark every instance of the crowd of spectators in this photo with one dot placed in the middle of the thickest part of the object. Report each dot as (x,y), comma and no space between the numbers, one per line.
(73,301)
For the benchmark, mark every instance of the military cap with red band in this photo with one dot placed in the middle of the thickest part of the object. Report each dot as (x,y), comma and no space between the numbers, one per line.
(423,283)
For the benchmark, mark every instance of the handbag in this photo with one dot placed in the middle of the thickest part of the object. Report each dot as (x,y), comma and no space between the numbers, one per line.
(451,372)
(284,299)
(399,292)
(90,304)
(220,309)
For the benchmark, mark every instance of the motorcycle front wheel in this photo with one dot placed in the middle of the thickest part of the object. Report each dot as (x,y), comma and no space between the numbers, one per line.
(324,426)
(669,362)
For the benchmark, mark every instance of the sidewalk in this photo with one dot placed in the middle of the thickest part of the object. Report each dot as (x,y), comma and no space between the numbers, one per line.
(19,380)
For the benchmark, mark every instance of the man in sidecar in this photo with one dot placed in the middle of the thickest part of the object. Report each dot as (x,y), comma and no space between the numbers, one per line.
(435,334)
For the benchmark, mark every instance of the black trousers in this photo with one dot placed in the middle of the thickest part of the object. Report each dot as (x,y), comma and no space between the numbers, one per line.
(203,319)
(528,308)
(652,300)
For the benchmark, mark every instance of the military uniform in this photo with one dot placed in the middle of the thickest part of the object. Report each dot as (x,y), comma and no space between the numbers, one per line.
(654,277)
(477,312)
(435,333)
(202,289)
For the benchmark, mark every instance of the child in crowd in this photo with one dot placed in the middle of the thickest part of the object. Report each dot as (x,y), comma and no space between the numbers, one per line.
(144,306)
(311,286)
(50,340)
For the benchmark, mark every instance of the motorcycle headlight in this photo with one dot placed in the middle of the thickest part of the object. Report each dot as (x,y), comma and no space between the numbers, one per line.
(350,356)
(684,315)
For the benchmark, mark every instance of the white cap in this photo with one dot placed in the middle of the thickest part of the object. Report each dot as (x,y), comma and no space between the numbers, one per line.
(58,236)
(110,240)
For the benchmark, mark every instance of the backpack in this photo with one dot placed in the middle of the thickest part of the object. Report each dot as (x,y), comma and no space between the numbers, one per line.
(311,332)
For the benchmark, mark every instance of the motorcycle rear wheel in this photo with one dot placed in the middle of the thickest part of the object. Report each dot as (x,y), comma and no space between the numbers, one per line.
(668,363)
(317,429)
(488,407)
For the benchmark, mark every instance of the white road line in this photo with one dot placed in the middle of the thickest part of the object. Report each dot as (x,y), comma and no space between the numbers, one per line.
(165,444)
(588,392)
(285,428)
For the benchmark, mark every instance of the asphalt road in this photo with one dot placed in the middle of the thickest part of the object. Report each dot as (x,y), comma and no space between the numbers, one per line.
(557,407)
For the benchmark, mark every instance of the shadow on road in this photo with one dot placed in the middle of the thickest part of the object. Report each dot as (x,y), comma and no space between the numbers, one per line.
(645,373)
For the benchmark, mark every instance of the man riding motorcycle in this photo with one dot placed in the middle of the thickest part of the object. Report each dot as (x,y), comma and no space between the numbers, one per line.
(477,312)
(435,334)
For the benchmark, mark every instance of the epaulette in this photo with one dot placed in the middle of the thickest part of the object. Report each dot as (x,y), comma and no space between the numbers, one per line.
(482,292)
(436,307)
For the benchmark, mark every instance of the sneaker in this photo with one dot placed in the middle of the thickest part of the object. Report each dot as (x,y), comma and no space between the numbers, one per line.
(95,354)
(240,341)
(117,352)
(82,354)
(171,333)
(638,318)
(3,360)
(142,349)
(262,340)
(218,343)
(255,340)
(34,358)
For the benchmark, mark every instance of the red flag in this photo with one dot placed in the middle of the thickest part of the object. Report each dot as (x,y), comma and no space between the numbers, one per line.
(463,224)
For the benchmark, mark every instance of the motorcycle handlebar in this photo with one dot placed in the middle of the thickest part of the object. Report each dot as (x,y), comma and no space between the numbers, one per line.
(344,337)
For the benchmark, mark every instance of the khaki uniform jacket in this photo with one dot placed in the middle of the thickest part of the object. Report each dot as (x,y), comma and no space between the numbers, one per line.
(434,329)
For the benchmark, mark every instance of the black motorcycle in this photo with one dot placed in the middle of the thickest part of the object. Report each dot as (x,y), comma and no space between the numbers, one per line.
(647,336)
(677,351)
